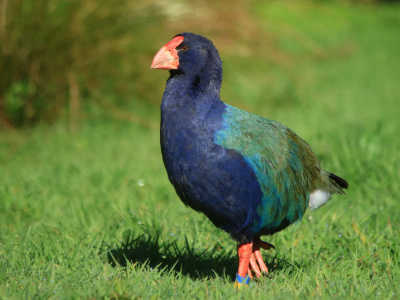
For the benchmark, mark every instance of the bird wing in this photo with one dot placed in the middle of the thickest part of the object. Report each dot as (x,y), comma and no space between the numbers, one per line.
(286,168)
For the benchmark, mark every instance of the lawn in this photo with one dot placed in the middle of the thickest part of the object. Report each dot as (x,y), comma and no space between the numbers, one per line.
(92,214)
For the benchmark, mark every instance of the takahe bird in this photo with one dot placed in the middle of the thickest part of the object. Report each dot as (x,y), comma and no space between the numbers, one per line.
(249,175)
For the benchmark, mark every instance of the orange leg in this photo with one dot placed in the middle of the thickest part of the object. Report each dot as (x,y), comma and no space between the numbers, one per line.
(244,252)
(250,258)
(245,255)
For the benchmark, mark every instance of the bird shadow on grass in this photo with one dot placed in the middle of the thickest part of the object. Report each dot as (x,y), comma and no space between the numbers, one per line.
(154,251)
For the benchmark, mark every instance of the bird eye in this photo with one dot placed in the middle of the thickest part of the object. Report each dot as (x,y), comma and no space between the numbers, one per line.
(184,48)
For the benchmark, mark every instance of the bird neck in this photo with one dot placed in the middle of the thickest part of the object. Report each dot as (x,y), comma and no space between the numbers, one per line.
(193,88)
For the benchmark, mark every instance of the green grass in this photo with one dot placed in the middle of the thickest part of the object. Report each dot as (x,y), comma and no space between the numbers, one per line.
(75,223)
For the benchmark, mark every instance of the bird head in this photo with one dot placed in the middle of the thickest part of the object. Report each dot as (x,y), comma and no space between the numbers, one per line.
(188,53)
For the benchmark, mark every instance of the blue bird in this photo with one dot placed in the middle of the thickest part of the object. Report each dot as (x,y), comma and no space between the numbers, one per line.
(249,175)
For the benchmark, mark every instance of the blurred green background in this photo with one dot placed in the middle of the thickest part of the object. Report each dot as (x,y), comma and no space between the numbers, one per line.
(90,59)
(86,208)
(78,60)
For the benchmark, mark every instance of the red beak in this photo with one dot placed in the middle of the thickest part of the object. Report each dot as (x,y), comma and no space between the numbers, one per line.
(167,58)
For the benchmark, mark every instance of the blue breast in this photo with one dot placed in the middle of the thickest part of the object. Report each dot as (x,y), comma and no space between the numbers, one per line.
(208,177)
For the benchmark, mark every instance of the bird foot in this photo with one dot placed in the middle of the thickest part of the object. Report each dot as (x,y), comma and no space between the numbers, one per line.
(250,260)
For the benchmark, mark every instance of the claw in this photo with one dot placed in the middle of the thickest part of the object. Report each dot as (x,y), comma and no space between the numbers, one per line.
(265,245)
(254,266)
(260,261)
(249,273)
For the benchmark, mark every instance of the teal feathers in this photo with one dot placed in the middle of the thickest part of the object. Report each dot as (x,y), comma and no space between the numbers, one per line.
(285,166)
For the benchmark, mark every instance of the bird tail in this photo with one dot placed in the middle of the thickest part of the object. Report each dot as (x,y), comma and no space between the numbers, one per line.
(338,182)
(333,184)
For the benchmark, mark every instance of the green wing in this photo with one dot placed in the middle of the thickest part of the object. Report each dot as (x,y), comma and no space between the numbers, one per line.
(286,168)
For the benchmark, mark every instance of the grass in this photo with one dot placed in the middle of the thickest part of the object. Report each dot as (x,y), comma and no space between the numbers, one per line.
(92,215)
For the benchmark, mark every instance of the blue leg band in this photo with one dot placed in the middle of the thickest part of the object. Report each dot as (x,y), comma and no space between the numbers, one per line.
(241,280)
